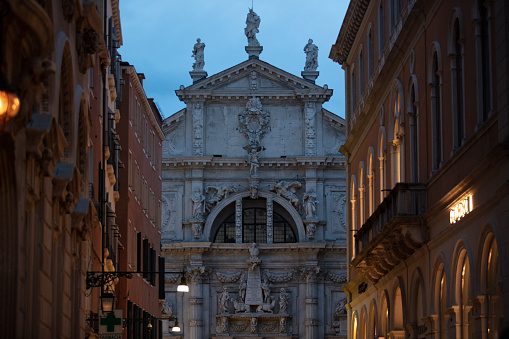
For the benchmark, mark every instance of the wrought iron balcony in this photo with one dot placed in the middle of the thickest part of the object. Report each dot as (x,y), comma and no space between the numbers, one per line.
(393,232)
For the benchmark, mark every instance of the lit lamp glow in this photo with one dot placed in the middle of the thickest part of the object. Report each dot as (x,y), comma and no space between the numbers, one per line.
(176,327)
(107,300)
(183,285)
(9,105)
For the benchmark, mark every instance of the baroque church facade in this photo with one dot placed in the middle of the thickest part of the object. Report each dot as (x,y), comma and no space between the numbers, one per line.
(253,206)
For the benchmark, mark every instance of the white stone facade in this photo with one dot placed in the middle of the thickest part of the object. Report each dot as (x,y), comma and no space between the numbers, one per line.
(253,158)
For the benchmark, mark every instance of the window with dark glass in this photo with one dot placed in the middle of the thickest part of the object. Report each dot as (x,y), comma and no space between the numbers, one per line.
(254,228)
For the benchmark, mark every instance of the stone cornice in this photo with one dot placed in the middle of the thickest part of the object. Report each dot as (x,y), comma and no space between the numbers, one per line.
(296,87)
(202,162)
(351,23)
(189,247)
(115,9)
(141,94)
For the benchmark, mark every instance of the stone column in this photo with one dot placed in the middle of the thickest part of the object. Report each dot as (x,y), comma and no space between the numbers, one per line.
(270,221)
(238,221)
(310,128)
(310,276)
(195,278)
(197,115)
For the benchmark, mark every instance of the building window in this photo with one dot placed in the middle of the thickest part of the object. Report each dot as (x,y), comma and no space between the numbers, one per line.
(381,28)
(414,150)
(361,194)
(397,137)
(370,171)
(395,9)
(484,60)
(353,86)
(130,169)
(254,228)
(361,73)
(381,159)
(457,85)
(138,251)
(370,54)
(436,110)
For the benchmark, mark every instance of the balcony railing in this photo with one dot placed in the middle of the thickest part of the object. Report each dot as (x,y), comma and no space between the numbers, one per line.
(393,231)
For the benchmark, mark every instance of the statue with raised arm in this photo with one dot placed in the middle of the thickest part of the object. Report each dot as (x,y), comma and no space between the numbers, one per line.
(224,299)
(252,24)
(311,56)
(198,55)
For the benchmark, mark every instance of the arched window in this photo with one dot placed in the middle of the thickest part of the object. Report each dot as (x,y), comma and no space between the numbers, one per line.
(65,105)
(441,301)
(413,130)
(483,53)
(395,9)
(370,53)
(398,310)
(381,28)
(370,174)
(381,159)
(353,214)
(436,106)
(397,135)
(362,202)
(353,93)
(491,288)
(372,322)
(456,52)
(362,325)
(361,72)
(463,294)
(385,316)
(254,228)
(355,327)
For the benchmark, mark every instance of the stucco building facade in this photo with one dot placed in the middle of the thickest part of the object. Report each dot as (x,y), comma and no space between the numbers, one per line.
(427,135)
(253,206)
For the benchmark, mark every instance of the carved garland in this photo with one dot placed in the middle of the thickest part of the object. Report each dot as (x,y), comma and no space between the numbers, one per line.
(228,278)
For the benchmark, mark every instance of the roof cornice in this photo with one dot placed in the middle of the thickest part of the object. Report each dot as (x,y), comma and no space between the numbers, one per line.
(115,9)
(353,19)
(207,161)
(133,77)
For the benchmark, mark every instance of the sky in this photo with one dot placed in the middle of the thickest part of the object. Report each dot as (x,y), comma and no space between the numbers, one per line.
(159,35)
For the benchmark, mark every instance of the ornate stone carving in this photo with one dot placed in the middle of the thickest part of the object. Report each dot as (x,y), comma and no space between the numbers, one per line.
(270,220)
(310,129)
(338,212)
(172,278)
(309,274)
(216,194)
(266,290)
(310,228)
(284,300)
(253,81)
(224,324)
(254,122)
(279,278)
(242,291)
(197,128)
(240,306)
(269,326)
(224,301)
(228,278)
(197,228)
(253,189)
(198,206)
(254,325)
(238,221)
(253,158)
(197,274)
(169,215)
(267,307)
(288,191)
(337,278)
(166,309)
(310,202)
(282,325)
(240,326)
(341,307)
(68,9)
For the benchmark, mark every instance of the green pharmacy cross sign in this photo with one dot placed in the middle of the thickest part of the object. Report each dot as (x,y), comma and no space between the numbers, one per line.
(110,321)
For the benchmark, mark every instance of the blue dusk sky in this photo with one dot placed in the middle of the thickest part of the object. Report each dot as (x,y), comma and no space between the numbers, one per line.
(159,35)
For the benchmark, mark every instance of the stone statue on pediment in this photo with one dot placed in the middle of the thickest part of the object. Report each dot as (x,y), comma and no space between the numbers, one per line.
(252,24)
(198,55)
(311,56)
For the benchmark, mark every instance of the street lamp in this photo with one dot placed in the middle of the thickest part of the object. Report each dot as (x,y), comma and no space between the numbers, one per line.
(107,300)
(9,101)
(182,287)
(176,327)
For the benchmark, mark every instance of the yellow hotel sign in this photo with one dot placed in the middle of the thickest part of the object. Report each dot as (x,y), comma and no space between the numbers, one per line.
(460,209)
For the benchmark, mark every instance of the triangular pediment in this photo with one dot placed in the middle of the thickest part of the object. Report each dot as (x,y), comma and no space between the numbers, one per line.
(240,78)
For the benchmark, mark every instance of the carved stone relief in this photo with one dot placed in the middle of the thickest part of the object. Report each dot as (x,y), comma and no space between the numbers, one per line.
(310,129)
(173,143)
(169,212)
(288,191)
(254,122)
(216,194)
(197,128)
